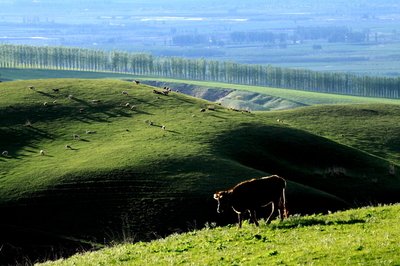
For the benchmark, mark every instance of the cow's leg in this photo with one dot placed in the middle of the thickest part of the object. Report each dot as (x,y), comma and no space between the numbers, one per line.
(282,206)
(281,210)
(240,220)
(253,217)
(272,212)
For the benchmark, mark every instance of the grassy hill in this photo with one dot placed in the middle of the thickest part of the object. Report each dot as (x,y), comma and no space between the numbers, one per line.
(125,177)
(231,95)
(356,237)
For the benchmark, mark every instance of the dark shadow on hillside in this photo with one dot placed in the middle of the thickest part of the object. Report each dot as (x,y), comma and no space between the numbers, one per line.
(46,94)
(304,222)
(165,196)
(85,103)
(310,160)
(18,115)
(39,134)
(154,202)
(16,133)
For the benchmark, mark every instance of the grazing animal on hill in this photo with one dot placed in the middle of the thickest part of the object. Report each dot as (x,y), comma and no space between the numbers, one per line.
(161,92)
(157,92)
(252,194)
(31,87)
(137,82)
(56,90)
(125,93)
(42,152)
(28,123)
(4,153)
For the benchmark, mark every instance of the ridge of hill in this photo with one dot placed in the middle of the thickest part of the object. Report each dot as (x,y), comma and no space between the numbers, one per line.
(111,171)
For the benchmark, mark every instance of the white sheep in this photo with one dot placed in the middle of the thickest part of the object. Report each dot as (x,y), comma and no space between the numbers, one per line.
(127,104)
(163,127)
(4,153)
(45,104)
(76,136)
(95,101)
(28,123)
(42,152)
(125,93)
(90,132)
(70,96)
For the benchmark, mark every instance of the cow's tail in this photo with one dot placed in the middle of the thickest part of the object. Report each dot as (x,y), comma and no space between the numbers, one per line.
(282,202)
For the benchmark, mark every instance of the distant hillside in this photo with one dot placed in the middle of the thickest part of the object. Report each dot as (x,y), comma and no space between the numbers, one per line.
(121,162)
(73,58)
(231,98)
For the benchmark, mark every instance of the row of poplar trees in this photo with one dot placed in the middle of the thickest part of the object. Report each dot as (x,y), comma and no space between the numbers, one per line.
(64,58)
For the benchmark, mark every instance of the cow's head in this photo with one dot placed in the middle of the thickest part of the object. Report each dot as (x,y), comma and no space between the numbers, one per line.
(223,200)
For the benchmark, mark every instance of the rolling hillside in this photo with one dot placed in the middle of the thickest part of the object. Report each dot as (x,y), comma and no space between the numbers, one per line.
(109,171)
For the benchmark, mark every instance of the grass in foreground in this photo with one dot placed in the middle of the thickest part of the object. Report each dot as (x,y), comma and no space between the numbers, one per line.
(367,236)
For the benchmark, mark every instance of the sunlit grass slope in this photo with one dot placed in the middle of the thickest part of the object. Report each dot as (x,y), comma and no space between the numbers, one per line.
(291,98)
(357,237)
(296,96)
(127,177)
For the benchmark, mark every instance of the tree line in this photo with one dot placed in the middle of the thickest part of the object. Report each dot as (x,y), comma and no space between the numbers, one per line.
(66,58)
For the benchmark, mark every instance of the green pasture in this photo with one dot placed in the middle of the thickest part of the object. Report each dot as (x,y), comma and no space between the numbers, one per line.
(302,97)
(127,178)
(10,74)
(364,236)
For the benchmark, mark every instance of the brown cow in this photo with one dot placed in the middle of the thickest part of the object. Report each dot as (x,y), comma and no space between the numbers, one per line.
(251,194)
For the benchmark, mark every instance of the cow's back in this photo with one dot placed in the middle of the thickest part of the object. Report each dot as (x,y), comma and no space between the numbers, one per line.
(257,192)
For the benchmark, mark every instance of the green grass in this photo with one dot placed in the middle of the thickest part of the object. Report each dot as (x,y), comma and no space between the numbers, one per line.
(364,236)
(133,180)
(294,96)
(9,74)
(371,128)
(302,97)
